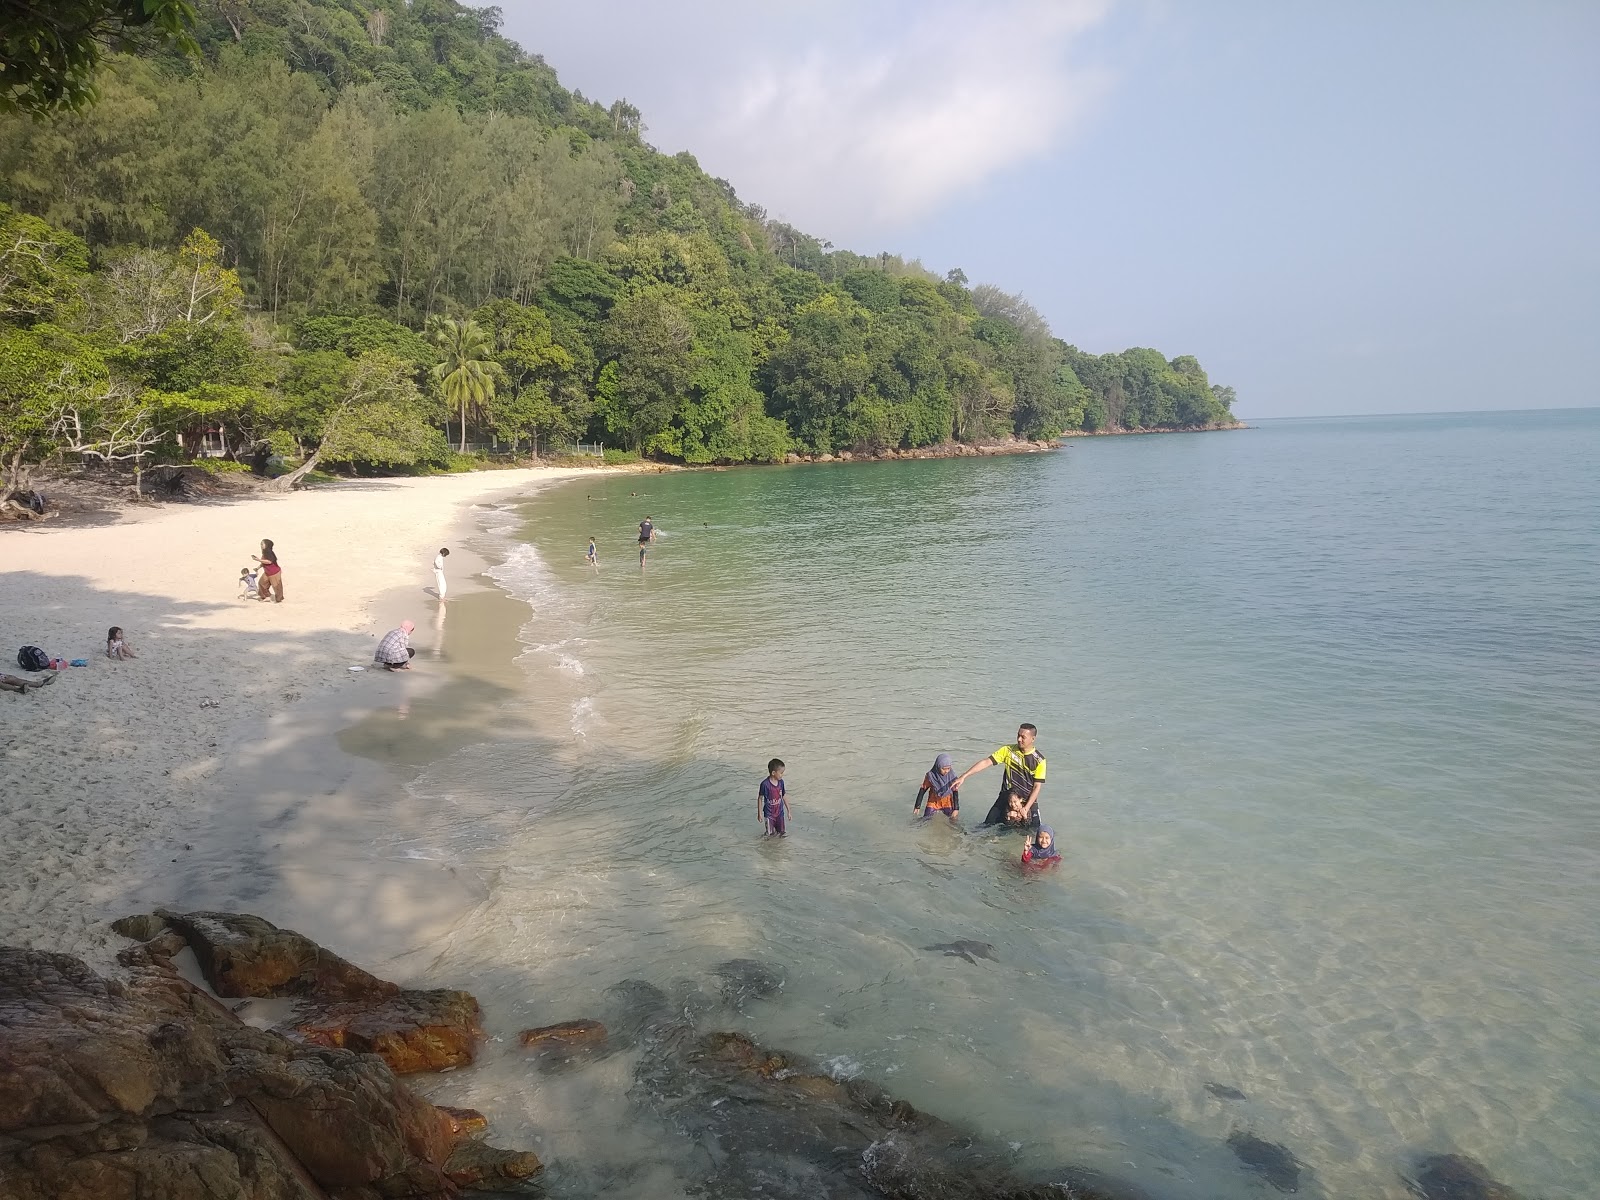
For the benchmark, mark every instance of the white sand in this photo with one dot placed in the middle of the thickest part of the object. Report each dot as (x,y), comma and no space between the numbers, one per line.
(116,763)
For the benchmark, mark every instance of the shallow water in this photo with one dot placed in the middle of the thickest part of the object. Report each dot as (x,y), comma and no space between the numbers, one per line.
(1321,705)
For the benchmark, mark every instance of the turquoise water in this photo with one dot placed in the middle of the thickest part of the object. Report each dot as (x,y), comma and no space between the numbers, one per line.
(1321,706)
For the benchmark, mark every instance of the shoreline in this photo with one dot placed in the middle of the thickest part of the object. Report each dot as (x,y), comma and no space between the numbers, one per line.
(156,780)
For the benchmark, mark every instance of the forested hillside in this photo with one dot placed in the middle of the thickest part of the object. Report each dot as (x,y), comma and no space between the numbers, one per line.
(346,232)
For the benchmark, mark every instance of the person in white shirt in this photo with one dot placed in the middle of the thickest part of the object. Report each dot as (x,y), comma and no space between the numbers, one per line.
(438,569)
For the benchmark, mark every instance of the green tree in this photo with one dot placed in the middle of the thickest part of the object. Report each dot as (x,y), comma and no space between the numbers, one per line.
(366,409)
(467,372)
(50,51)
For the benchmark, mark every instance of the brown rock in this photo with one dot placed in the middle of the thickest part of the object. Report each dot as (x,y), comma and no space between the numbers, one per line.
(346,1007)
(463,1122)
(242,955)
(410,1030)
(475,1165)
(580,1033)
(148,1088)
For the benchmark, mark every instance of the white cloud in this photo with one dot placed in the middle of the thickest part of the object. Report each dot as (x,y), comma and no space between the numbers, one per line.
(850,137)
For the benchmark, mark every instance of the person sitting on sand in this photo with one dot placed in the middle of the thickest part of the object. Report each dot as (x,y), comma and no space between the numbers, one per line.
(394,652)
(117,645)
(939,785)
(16,683)
(1039,850)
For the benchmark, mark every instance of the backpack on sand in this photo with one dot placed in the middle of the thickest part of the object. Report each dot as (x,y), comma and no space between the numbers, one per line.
(31,658)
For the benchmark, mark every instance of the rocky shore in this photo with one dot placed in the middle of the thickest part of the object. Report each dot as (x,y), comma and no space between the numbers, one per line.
(944,450)
(152,1086)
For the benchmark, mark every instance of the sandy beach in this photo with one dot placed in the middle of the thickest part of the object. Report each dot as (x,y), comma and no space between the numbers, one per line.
(118,770)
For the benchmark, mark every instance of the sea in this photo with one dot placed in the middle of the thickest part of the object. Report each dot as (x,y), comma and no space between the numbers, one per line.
(1320,705)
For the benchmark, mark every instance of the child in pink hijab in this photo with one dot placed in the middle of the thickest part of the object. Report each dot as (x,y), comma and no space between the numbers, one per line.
(394,651)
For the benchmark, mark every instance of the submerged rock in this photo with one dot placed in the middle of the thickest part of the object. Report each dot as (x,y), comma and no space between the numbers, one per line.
(776,1124)
(567,1034)
(971,951)
(745,979)
(150,1088)
(639,1008)
(341,1006)
(1456,1177)
(1267,1159)
(1223,1092)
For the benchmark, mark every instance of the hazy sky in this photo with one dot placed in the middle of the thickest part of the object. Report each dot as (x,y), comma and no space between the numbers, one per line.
(1338,208)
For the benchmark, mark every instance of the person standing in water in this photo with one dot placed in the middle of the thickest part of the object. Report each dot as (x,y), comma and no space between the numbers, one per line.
(647,534)
(438,570)
(592,555)
(939,786)
(1017,806)
(772,801)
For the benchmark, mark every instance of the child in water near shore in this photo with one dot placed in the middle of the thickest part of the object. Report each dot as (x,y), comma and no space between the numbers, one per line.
(772,800)
(939,785)
(592,555)
(1039,851)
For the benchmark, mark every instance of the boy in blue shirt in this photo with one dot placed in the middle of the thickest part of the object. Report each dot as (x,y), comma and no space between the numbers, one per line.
(772,800)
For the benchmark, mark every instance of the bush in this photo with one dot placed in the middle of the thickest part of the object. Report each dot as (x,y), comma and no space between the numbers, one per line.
(221,466)
(619,458)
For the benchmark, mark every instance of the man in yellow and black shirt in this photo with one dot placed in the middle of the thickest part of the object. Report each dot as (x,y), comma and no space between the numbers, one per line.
(1018,803)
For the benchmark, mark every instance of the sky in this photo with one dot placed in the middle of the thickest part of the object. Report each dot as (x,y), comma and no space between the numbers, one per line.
(1358,207)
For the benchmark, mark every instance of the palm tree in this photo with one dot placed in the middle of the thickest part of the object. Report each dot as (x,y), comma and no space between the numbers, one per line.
(467,374)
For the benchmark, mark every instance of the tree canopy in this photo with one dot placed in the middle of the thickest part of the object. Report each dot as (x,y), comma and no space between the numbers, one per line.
(329,184)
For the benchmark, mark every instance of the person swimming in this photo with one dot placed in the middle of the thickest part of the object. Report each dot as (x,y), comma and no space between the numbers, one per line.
(1040,849)
(939,785)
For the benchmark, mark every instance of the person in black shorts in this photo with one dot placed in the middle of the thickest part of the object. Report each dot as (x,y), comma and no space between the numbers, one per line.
(1017,806)
(647,534)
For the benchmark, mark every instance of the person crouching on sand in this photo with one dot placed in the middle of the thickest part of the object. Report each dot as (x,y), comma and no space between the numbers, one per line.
(116,645)
(394,652)
(939,785)
(772,800)
(1040,849)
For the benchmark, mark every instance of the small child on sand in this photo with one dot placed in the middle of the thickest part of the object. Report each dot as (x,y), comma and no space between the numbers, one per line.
(247,582)
(1039,850)
(116,645)
(772,801)
(939,785)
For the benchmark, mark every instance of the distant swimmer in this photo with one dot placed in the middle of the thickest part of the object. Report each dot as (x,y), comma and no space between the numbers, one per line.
(1017,806)
(647,534)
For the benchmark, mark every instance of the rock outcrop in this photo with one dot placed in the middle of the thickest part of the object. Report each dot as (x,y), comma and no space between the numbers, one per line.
(150,1088)
(340,1005)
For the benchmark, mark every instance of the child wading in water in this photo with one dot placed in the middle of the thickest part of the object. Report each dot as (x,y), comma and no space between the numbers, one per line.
(592,555)
(1040,849)
(939,785)
(772,799)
